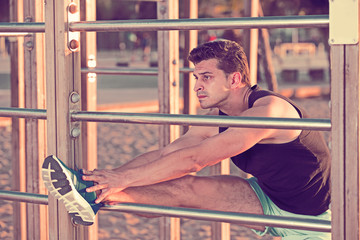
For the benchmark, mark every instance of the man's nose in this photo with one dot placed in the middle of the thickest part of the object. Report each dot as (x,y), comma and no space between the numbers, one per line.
(197,86)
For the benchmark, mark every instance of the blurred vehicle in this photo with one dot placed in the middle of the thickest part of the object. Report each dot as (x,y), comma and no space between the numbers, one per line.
(306,59)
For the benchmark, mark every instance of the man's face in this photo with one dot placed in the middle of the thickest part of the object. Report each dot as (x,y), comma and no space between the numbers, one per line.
(212,87)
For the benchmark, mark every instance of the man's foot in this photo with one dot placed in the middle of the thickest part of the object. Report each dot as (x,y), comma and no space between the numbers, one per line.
(66,185)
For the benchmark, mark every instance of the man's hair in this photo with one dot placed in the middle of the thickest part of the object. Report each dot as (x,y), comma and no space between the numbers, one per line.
(230,55)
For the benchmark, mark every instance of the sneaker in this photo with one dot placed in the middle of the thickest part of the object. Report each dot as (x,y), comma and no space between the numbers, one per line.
(66,185)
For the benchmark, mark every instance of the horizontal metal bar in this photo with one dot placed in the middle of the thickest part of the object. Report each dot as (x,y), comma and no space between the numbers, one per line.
(201,120)
(200,214)
(143,0)
(13,34)
(178,24)
(231,217)
(24,197)
(178,119)
(121,71)
(23,113)
(186,70)
(128,71)
(22,27)
(202,23)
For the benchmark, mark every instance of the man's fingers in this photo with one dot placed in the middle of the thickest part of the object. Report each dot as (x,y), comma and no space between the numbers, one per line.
(92,177)
(96,187)
(94,172)
(102,196)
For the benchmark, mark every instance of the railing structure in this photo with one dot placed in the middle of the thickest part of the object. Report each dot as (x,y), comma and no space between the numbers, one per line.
(178,119)
(179,24)
(64,83)
(238,218)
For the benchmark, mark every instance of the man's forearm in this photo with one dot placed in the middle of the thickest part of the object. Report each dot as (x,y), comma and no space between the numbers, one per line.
(140,160)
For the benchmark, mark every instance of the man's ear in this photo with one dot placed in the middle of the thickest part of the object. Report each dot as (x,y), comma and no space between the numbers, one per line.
(236,80)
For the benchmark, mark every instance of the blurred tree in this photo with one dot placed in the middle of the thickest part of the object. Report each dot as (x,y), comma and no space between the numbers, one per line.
(4,11)
(115,10)
(147,10)
(294,7)
(123,10)
(299,7)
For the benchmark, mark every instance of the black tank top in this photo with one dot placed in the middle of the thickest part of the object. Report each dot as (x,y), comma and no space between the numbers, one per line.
(295,175)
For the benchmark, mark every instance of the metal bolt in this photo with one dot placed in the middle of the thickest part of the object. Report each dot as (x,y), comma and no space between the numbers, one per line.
(74,97)
(174,62)
(29,45)
(73,8)
(174,83)
(28,19)
(75,132)
(163,9)
(74,44)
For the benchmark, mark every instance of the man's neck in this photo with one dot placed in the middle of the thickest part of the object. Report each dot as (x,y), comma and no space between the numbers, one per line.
(238,102)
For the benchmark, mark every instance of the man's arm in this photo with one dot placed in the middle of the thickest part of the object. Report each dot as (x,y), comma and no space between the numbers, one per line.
(192,137)
(204,152)
(119,177)
(176,163)
(142,159)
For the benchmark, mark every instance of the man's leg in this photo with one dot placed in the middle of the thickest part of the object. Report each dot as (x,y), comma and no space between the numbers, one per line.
(221,193)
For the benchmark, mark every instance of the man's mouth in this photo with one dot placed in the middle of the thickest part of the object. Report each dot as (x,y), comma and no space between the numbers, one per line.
(201,95)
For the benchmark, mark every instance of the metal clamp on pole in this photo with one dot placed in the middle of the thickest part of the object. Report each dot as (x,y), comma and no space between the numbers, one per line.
(74,106)
(73,37)
(29,38)
(343,26)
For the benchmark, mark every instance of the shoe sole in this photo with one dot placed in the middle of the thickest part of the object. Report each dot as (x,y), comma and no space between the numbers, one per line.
(60,185)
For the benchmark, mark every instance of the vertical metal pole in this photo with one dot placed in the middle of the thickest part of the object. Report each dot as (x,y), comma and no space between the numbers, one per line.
(191,41)
(254,42)
(338,141)
(219,230)
(345,141)
(88,99)
(18,125)
(168,87)
(35,148)
(168,76)
(63,78)
(251,39)
(345,119)
(352,131)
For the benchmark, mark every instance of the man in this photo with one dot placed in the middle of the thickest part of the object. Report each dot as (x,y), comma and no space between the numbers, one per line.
(290,167)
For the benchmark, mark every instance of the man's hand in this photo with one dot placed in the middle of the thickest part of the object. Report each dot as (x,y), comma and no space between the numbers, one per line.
(106,181)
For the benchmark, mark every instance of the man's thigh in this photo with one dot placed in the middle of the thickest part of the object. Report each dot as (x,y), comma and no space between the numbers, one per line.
(221,193)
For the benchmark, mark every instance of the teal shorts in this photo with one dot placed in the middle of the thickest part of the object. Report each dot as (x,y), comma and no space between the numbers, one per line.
(271,209)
